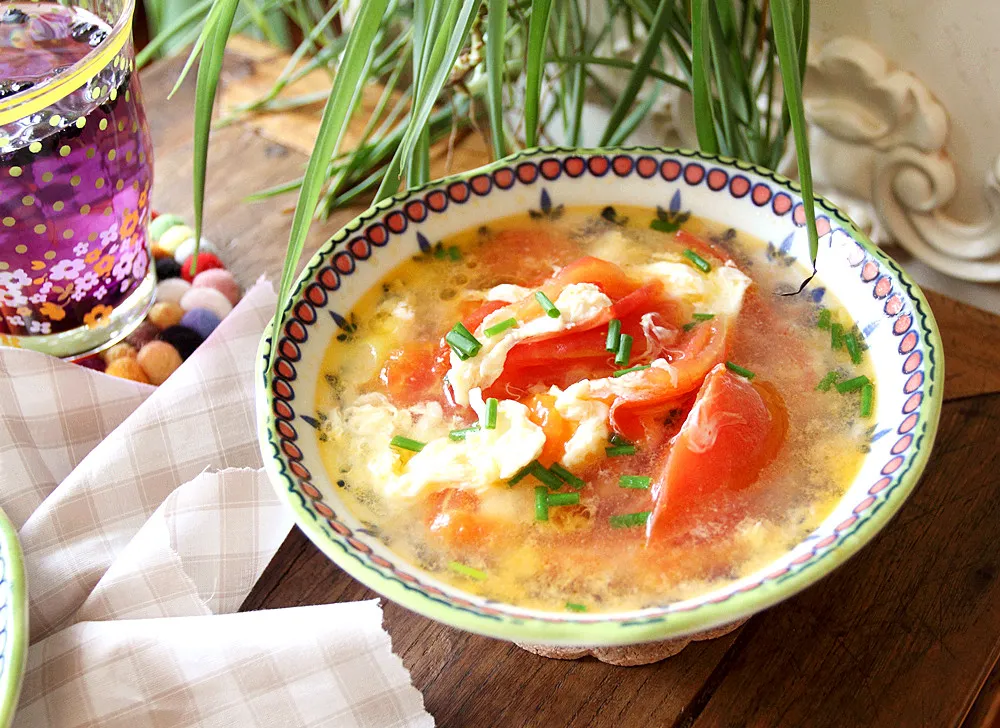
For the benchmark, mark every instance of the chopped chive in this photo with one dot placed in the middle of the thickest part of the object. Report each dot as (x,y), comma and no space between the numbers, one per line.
(462,342)
(699,262)
(460,329)
(867,399)
(617,439)
(406,443)
(640,482)
(614,335)
(575,607)
(687,327)
(491,413)
(467,571)
(522,473)
(439,251)
(703,316)
(563,499)
(624,350)
(545,475)
(737,369)
(623,372)
(853,347)
(828,381)
(853,385)
(460,434)
(617,450)
(630,520)
(500,327)
(541,503)
(566,476)
(836,336)
(454,253)
(544,302)
(824,319)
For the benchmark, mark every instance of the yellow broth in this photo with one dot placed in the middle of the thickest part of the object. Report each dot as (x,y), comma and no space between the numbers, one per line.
(575,558)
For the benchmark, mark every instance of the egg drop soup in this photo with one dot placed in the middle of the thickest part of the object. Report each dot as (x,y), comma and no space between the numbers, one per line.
(594,410)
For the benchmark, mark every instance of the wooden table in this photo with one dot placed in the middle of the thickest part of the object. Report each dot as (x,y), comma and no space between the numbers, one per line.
(906,634)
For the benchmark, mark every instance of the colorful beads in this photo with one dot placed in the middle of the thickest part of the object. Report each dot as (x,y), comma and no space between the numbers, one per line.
(173,237)
(162,223)
(145,333)
(94,362)
(183,339)
(167,268)
(186,249)
(207,298)
(221,280)
(206,261)
(172,289)
(122,350)
(165,314)
(127,368)
(158,360)
(201,320)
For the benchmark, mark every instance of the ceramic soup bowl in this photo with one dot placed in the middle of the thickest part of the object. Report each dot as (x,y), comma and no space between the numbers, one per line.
(889,309)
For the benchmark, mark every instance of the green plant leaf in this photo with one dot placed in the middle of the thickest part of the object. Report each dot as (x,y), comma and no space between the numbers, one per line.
(535,67)
(496,30)
(209,68)
(185,21)
(664,16)
(788,61)
(701,64)
(351,77)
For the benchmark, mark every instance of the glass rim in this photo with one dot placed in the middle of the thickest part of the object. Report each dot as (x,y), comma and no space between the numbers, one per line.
(70,79)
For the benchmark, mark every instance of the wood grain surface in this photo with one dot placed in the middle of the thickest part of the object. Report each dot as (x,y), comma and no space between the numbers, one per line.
(906,634)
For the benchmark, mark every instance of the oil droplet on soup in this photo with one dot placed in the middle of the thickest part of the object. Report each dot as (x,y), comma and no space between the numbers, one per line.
(657,423)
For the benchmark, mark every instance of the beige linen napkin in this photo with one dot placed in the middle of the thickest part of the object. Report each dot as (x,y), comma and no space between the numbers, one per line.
(145,521)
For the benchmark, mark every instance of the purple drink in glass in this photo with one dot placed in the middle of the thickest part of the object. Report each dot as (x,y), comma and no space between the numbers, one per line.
(75,173)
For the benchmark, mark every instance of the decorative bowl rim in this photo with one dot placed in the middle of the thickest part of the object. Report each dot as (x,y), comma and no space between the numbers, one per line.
(14,623)
(599,629)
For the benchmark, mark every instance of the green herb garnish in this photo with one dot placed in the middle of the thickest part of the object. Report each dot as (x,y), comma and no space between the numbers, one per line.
(500,327)
(454,253)
(699,262)
(618,450)
(462,342)
(544,302)
(630,520)
(563,499)
(624,350)
(467,571)
(406,443)
(853,385)
(617,439)
(575,607)
(867,399)
(853,347)
(703,316)
(541,503)
(566,476)
(737,369)
(522,473)
(614,335)
(545,475)
(491,413)
(460,434)
(824,319)
(828,381)
(836,336)
(623,372)
(640,482)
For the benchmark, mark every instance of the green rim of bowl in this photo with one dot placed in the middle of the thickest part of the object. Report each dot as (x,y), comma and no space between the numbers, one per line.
(589,629)
(17,620)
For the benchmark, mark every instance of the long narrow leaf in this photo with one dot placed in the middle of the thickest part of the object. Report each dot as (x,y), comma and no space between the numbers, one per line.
(419,164)
(791,81)
(663,17)
(184,22)
(347,86)
(496,30)
(630,122)
(701,91)
(535,67)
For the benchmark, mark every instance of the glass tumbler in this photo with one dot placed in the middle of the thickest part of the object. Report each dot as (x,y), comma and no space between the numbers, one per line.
(75,172)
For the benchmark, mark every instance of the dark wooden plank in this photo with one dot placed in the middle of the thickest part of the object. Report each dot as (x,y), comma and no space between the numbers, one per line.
(971,339)
(905,633)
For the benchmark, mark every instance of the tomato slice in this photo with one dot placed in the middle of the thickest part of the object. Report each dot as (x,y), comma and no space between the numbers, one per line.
(542,411)
(413,373)
(704,248)
(734,430)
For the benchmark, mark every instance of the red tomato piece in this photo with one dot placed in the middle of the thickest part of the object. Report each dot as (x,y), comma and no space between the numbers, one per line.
(704,248)
(413,373)
(734,430)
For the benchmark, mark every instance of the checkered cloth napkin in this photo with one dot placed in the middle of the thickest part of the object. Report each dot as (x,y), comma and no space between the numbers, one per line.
(145,520)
